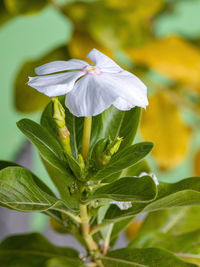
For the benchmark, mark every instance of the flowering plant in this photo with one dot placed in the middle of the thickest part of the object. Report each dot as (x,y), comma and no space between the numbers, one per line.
(85,140)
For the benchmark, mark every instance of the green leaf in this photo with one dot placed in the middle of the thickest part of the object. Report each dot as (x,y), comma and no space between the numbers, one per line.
(63,182)
(21,191)
(183,193)
(137,169)
(124,159)
(18,7)
(33,250)
(4,164)
(49,147)
(128,189)
(60,262)
(119,123)
(74,125)
(149,257)
(174,221)
(184,243)
(74,166)
(27,99)
(185,246)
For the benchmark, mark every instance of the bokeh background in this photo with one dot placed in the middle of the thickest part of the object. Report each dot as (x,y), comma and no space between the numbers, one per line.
(158,40)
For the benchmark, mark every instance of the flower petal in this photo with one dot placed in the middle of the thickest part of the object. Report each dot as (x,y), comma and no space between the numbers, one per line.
(102,61)
(122,104)
(128,87)
(89,97)
(56,66)
(55,84)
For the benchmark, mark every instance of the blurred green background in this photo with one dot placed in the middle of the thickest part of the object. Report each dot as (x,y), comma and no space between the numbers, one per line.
(25,37)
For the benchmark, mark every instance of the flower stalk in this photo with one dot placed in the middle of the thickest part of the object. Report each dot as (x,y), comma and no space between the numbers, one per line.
(86,136)
(85,229)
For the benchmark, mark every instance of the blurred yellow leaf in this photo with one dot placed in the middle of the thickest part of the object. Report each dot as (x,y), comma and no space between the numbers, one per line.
(113,26)
(163,125)
(24,6)
(4,14)
(172,56)
(28,99)
(133,229)
(197,163)
(81,43)
(143,8)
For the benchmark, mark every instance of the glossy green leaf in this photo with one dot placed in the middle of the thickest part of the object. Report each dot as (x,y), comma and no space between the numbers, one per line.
(18,7)
(33,250)
(74,166)
(149,257)
(63,182)
(137,169)
(42,186)
(184,243)
(60,262)
(128,189)
(185,246)
(4,164)
(183,193)
(27,99)
(124,159)
(174,221)
(21,191)
(49,147)
(119,123)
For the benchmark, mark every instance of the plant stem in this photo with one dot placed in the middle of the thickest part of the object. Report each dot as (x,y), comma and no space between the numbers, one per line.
(86,136)
(85,228)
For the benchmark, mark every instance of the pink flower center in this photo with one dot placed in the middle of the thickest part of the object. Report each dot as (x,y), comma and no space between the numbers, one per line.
(92,70)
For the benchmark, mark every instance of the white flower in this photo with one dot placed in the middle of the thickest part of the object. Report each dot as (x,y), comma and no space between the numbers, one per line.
(90,89)
(122,204)
(153,176)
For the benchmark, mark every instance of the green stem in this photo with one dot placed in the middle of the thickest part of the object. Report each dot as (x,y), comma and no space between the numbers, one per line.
(85,229)
(86,136)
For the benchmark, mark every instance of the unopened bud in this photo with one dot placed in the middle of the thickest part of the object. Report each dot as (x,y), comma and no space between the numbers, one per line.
(114,146)
(111,149)
(59,118)
(58,113)
(81,162)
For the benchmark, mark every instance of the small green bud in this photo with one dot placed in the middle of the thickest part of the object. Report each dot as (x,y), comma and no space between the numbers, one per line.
(114,146)
(59,118)
(58,113)
(81,162)
(111,149)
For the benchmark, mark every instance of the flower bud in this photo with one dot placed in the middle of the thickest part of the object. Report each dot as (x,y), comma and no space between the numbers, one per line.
(58,113)
(111,149)
(59,119)
(81,162)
